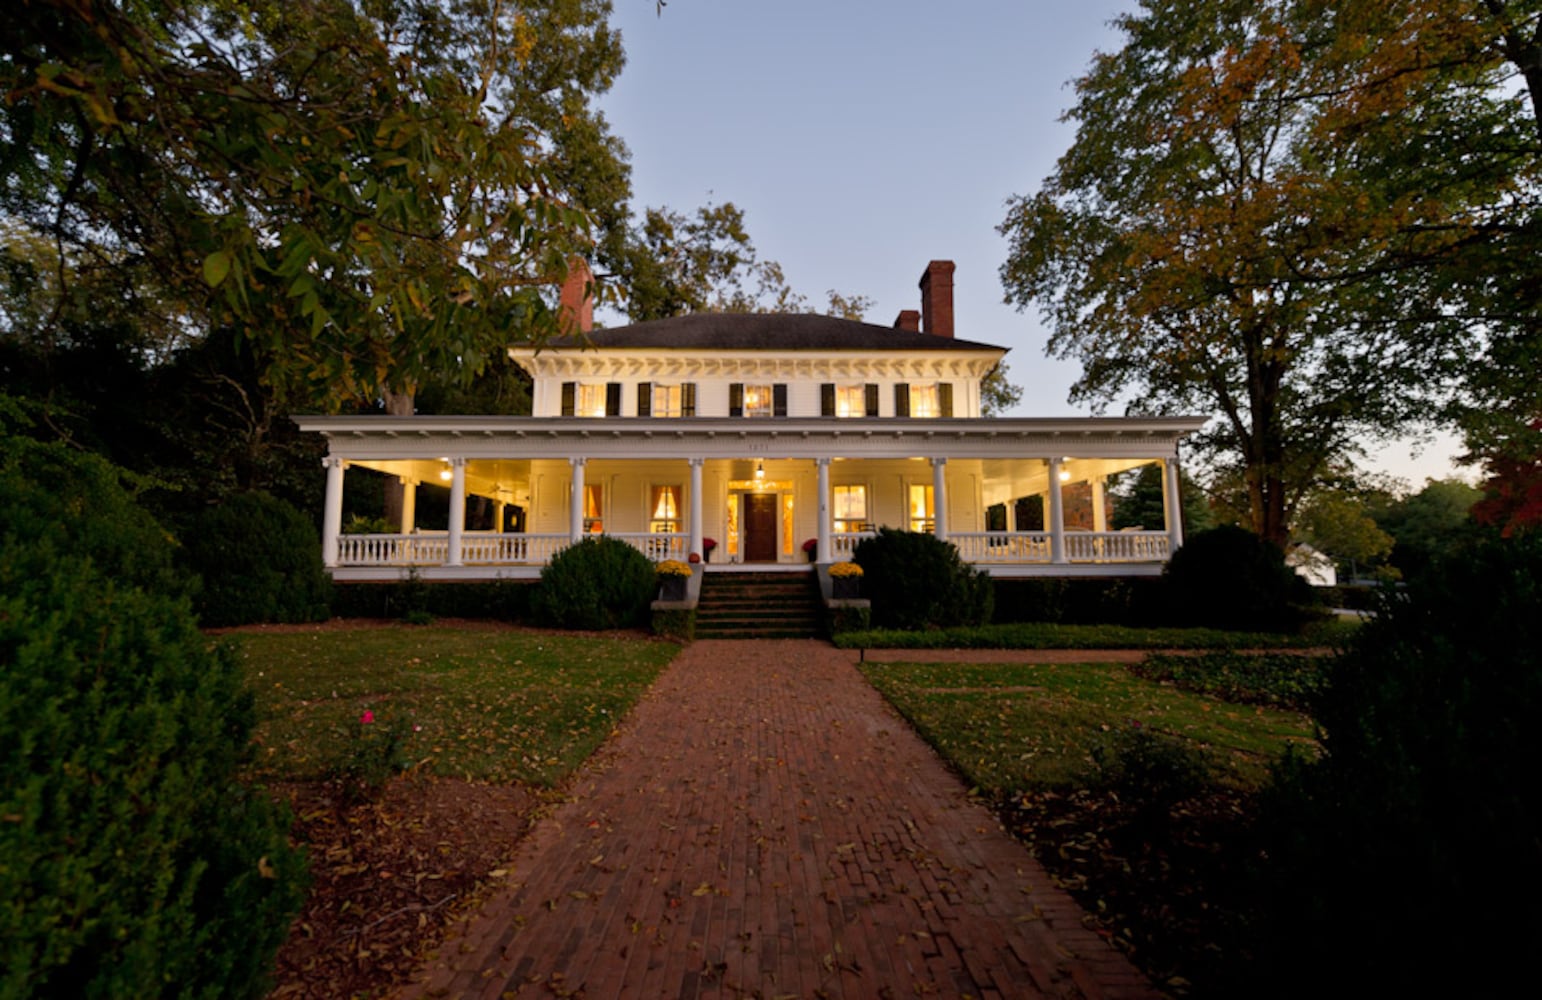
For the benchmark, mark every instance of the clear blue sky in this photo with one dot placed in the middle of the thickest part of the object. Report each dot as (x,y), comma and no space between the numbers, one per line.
(864,138)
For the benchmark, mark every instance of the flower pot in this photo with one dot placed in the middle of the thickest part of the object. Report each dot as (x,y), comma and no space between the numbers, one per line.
(672,588)
(845,588)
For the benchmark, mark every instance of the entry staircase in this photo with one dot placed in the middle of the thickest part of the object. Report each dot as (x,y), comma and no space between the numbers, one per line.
(759,606)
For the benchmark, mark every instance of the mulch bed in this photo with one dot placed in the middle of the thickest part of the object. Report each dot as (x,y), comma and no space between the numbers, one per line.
(389,875)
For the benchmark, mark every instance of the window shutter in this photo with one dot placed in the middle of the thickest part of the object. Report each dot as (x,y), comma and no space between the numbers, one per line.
(613,399)
(736,399)
(688,399)
(779,399)
(645,399)
(945,398)
(569,392)
(902,399)
(827,399)
(870,399)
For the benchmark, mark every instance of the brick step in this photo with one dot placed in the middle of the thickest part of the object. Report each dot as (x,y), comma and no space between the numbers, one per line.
(758,605)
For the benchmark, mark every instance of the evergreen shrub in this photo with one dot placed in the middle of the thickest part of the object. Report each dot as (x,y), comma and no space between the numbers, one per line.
(133,862)
(1228,577)
(914,580)
(260,561)
(1410,845)
(599,583)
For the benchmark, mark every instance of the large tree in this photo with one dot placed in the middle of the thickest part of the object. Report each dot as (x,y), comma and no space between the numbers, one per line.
(1238,228)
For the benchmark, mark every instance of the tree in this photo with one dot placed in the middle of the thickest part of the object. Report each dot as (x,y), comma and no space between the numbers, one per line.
(1430,525)
(1339,523)
(997,395)
(1211,241)
(1139,502)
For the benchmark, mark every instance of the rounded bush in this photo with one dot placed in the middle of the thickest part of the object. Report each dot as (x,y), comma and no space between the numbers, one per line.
(916,581)
(1228,577)
(133,862)
(260,560)
(599,583)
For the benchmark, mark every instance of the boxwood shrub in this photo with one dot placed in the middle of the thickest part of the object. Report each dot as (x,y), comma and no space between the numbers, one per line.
(260,561)
(914,580)
(599,583)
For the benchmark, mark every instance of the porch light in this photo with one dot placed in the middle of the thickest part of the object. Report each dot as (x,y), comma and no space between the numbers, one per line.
(760,470)
(446,475)
(1065,475)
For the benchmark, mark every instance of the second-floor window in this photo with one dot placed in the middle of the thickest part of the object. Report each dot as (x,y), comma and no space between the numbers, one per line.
(591,399)
(854,400)
(923,399)
(751,399)
(660,399)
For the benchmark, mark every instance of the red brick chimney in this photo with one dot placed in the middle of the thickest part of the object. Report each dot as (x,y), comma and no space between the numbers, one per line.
(908,319)
(937,298)
(575,310)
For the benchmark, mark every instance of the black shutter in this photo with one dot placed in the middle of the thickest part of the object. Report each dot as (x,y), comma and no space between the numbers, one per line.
(613,399)
(902,399)
(688,399)
(736,399)
(827,399)
(645,399)
(569,392)
(779,400)
(870,400)
(945,398)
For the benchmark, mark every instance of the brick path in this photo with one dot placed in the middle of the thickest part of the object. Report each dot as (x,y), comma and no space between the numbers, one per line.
(765,826)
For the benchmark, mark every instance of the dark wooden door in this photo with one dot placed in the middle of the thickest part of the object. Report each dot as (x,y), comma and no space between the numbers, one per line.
(759,527)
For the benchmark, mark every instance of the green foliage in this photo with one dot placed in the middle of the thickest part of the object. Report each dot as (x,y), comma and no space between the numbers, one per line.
(260,561)
(917,581)
(494,704)
(374,752)
(1139,502)
(1042,635)
(1149,776)
(1423,803)
(848,618)
(1430,525)
(600,583)
(134,861)
(1283,679)
(499,600)
(678,624)
(1130,601)
(1229,577)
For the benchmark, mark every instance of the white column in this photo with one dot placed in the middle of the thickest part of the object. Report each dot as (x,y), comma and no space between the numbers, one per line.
(823,553)
(1099,504)
(696,507)
(498,508)
(940,498)
(576,506)
(457,509)
(1056,515)
(409,505)
(1172,505)
(332,514)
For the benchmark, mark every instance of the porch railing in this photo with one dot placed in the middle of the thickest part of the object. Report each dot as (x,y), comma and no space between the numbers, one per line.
(433,549)
(1117,546)
(843,543)
(657,545)
(1001,546)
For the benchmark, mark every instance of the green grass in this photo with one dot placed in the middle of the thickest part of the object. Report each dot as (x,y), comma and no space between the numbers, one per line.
(1009,727)
(1044,635)
(490,704)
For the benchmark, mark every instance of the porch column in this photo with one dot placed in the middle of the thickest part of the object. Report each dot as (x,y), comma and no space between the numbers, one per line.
(940,498)
(1099,504)
(695,515)
(498,506)
(1056,515)
(332,514)
(576,506)
(409,505)
(457,509)
(823,553)
(1172,505)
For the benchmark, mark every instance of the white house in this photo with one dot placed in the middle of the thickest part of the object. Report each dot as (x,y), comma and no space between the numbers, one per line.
(763,434)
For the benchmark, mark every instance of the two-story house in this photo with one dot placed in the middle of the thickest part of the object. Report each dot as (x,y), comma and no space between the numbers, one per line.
(758,441)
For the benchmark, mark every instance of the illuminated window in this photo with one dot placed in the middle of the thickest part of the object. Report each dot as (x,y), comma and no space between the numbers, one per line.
(850,508)
(850,401)
(665,507)
(590,401)
(924,402)
(758,401)
(667,401)
(594,517)
(920,507)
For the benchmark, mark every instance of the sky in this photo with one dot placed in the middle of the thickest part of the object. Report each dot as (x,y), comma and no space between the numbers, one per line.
(864,138)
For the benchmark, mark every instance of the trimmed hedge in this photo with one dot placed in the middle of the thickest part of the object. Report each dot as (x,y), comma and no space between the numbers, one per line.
(914,580)
(1119,601)
(260,561)
(1228,577)
(600,583)
(498,600)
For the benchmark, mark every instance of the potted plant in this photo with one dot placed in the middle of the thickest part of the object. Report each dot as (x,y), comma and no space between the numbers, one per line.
(845,580)
(811,549)
(707,545)
(673,575)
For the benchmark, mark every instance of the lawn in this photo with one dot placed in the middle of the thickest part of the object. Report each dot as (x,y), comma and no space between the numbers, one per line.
(482,704)
(1046,635)
(1008,727)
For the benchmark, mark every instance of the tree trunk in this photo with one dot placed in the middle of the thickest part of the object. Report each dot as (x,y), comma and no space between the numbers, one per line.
(397,404)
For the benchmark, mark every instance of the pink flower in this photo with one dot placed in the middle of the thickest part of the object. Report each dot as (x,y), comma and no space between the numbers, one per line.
(417,729)
(367,717)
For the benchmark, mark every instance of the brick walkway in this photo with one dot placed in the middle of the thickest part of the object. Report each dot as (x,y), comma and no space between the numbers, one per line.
(765,826)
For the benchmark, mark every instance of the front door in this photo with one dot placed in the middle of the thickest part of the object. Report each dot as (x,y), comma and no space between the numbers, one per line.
(760,527)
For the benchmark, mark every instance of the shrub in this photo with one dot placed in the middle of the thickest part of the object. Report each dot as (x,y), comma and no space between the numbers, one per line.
(1149,776)
(260,560)
(1228,577)
(1249,678)
(915,581)
(1411,844)
(132,860)
(1120,601)
(599,583)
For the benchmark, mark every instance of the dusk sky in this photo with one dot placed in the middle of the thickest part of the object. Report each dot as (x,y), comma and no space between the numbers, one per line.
(864,138)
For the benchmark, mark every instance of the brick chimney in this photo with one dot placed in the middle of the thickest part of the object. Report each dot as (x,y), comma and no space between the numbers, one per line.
(908,319)
(575,310)
(937,298)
